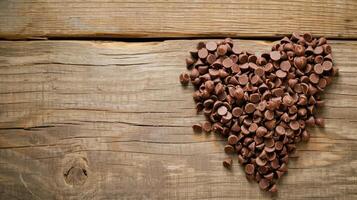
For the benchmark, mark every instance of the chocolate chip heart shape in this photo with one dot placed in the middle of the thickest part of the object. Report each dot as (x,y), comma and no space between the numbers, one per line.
(261,104)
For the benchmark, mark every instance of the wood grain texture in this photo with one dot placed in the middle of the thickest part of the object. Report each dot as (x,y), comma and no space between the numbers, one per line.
(179,18)
(109,120)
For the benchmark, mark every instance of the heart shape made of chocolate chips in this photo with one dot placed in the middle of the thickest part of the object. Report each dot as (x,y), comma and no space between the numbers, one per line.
(261,104)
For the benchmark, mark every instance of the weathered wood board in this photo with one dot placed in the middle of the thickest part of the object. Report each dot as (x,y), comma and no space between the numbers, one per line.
(183,18)
(109,120)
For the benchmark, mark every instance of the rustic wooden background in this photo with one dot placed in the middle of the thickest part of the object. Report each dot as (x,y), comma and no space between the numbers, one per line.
(107,119)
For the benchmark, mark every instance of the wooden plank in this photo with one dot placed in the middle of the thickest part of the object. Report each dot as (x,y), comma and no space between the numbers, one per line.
(117,111)
(184,18)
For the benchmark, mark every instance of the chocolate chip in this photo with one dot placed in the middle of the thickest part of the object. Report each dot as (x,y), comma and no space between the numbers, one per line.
(320,122)
(300,62)
(260,162)
(285,65)
(299,50)
(228,149)
(184,78)
(227,163)
(232,139)
(294,125)
(222,50)
(253,127)
(261,131)
(249,169)
(318,68)
(280,74)
(275,55)
(237,111)
(249,108)
(254,98)
(197,128)
(206,126)
(280,130)
(211,58)
(227,63)
(202,53)
(243,79)
(327,65)
(243,58)
(211,46)
(307,37)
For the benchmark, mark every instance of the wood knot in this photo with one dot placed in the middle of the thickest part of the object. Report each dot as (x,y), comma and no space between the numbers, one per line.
(76,176)
(75,170)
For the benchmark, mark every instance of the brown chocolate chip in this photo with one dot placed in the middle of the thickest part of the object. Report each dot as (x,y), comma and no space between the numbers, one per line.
(299,50)
(228,149)
(197,128)
(211,46)
(249,108)
(259,71)
(194,74)
(222,50)
(268,67)
(261,131)
(249,169)
(255,98)
(320,122)
(219,89)
(322,83)
(279,145)
(327,49)
(211,58)
(288,100)
(209,85)
(285,65)
(270,124)
(318,69)
(253,127)
(235,68)
(243,58)
(264,184)
(232,139)
(243,79)
(275,55)
(294,125)
(227,62)
(307,37)
(280,74)
(252,59)
(260,162)
(235,127)
(236,50)
(227,163)
(314,78)
(269,115)
(305,136)
(327,65)
(184,78)
(202,53)
(236,112)
(206,126)
(300,62)
(280,130)
(222,110)
(269,142)
(189,63)
(227,118)
(318,50)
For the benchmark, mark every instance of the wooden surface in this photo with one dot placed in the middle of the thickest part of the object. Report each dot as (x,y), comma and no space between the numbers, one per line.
(179,18)
(109,120)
